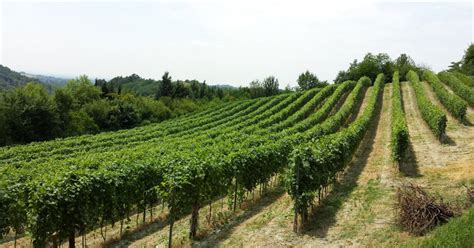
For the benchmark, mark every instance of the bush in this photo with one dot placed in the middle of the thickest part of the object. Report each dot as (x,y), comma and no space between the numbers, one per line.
(465,79)
(314,165)
(456,85)
(183,106)
(400,135)
(419,212)
(453,103)
(433,116)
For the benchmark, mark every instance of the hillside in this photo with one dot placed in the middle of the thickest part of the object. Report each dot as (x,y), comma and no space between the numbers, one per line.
(10,79)
(226,176)
(50,80)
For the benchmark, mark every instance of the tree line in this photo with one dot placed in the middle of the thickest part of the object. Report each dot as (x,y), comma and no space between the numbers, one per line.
(29,113)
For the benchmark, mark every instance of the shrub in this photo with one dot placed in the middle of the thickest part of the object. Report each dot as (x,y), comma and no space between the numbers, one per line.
(400,135)
(456,85)
(433,116)
(453,103)
(465,79)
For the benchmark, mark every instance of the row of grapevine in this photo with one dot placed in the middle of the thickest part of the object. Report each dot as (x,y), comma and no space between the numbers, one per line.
(133,137)
(315,165)
(453,103)
(83,200)
(465,79)
(78,193)
(433,116)
(456,85)
(400,136)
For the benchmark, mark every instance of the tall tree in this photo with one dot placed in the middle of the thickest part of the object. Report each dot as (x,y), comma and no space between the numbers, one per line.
(404,64)
(308,80)
(166,87)
(270,86)
(83,90)
(468,61)
(30,114)
(256,89)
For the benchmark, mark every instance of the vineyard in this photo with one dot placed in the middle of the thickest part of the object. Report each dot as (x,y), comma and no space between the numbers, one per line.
(304,154)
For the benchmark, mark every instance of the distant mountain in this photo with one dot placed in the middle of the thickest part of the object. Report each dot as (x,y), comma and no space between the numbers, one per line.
(224,86)
(10,79)
(54,81)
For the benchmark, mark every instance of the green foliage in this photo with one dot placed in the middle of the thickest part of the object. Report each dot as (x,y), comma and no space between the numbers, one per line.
(29,114)
(468,61)
(453,103)
(268,87)
(315,164)
(467,80)
(11,79)
(69,193)
(404,64)
(370,66)
(400,135)
(433,116)
(458,232)
(166,88)
(79,122)
(456,85)
(308,80)
(82,90)
(466,64)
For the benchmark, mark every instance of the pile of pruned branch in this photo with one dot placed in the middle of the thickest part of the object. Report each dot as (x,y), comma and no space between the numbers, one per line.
(419,212)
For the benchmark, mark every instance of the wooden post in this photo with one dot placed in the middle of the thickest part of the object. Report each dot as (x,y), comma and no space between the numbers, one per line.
(235,195)
(194,221)
(72,240)
(295,222)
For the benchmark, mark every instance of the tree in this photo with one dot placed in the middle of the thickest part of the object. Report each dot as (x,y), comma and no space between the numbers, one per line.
(455,66)
(270,86)
(308,80)
(468,61)
(370,66)
(256,89)
(30,114)
(404,64)
(104,89)
(181,91)
(83,90)
(64,101)
(166,87)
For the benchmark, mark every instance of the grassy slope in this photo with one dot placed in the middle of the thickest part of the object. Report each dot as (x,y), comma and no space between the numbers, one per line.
(459,232)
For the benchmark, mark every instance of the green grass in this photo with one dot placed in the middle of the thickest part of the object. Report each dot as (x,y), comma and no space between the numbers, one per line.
(459,232)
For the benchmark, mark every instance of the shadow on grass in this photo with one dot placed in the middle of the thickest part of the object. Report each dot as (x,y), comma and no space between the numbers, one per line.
(324,215)
(358,108)
(448,141)
(214,240)
(408,166)
(139,232)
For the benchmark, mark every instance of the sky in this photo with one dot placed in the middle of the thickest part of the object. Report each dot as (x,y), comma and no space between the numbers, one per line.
(226,41)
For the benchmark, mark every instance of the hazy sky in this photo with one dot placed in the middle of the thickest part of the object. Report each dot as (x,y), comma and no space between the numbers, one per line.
(226,42)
